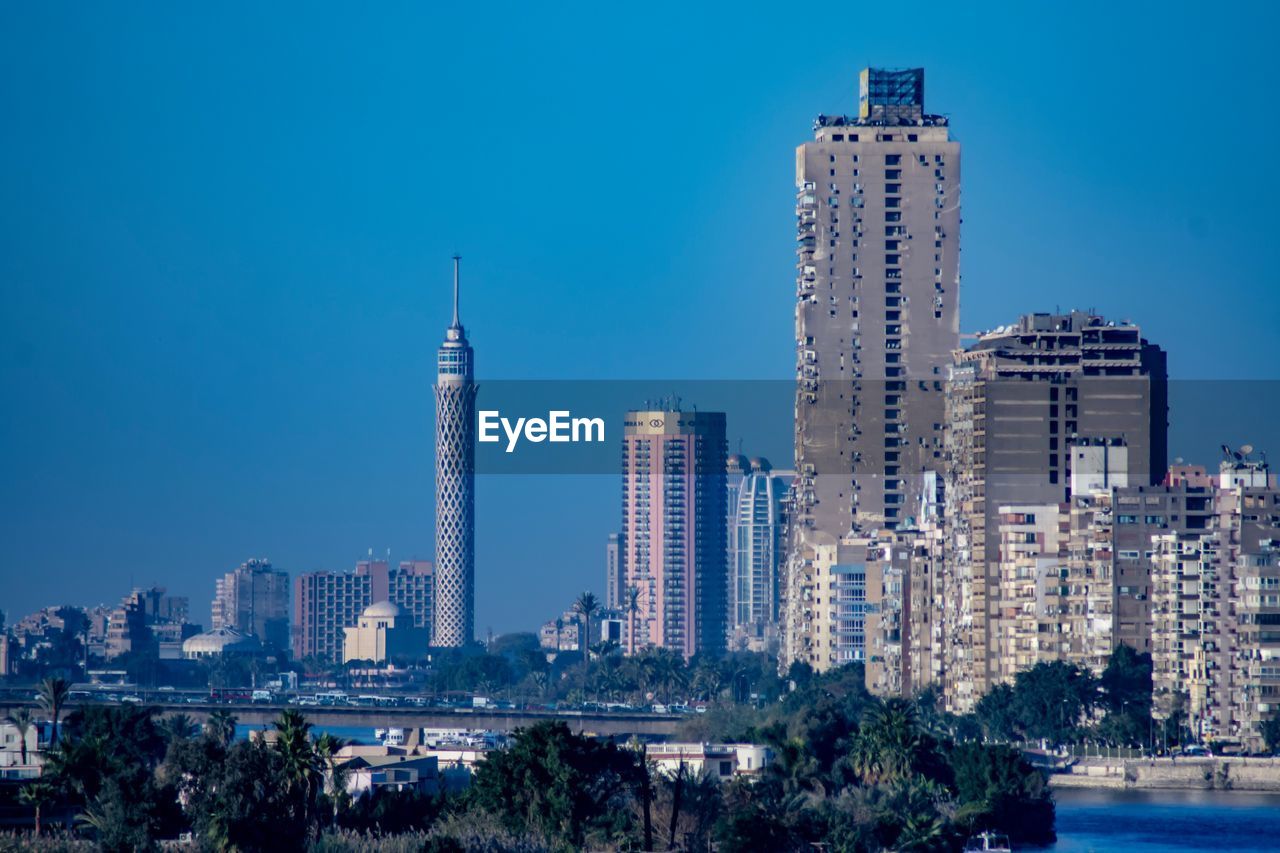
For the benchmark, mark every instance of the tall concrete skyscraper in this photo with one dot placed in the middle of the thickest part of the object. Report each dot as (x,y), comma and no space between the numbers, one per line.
(877,304)
(877,318)
(673,529)
(455,392)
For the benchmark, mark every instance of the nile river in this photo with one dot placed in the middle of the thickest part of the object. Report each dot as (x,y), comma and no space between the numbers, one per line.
(1166,821)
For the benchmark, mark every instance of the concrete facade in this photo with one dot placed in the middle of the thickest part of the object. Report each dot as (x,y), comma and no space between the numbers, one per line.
(254,599)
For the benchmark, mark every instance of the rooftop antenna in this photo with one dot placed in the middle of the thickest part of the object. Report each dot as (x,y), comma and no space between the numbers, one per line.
(456,259)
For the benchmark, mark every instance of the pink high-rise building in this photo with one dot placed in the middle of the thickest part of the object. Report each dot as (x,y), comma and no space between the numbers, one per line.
(673,530)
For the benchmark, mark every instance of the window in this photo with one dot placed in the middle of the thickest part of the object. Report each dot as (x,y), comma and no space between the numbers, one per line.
(839,137)
(893,159)
(893,188)
(894,216)
(892,174)
(913,137)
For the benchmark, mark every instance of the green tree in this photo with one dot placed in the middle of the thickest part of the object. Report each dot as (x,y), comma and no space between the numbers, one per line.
(327,747)
(238,799)
(52,696)
(586,607)
(177,727)
(553,784)
(302,766)
(221,726)
(21,719)
(1270,731)
(1051,700)
(996,714)
(997,789)
(36,795)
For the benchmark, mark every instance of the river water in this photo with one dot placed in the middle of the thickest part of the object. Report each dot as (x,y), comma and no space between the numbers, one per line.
(1166,821)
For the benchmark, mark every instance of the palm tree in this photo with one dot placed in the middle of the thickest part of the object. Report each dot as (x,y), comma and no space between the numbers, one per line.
(559,628)
(36,795)
(586,606)
(302,766)
(327,747)
(52,696)
(22,719)
(177,727)
(221,726)
(891,730)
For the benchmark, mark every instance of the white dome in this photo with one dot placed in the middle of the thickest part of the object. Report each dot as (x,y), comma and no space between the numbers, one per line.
(383,609)
(221,641)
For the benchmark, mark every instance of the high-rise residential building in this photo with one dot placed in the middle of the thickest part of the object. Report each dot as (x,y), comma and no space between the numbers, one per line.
(254,599)
(901,601)
(673,529)
(877,313)
(877,318)
(1017,402)
(327,603)
(755,553)
(613,593)
(455,393)
(1216,600)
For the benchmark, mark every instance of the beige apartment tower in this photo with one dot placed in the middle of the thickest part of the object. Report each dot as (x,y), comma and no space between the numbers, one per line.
(877,303)
(877,318)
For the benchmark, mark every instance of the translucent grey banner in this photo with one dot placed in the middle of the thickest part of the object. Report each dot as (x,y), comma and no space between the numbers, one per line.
(532,424)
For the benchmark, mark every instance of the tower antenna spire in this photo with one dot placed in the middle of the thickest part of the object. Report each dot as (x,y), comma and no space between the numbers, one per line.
(456,259)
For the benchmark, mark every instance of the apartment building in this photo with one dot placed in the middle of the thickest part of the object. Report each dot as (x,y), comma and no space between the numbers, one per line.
(254,599)
(1017,402)
(673,528)
(877,317)
(1216,602)
(901,608)
(877,279)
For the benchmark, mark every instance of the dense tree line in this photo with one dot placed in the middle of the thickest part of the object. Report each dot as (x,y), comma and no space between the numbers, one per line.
(850,771)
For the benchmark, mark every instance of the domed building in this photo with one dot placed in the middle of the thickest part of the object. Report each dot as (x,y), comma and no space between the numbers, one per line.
(383,632)
(220,642)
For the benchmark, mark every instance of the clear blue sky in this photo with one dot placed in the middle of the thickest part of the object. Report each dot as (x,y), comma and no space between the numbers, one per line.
(225,232)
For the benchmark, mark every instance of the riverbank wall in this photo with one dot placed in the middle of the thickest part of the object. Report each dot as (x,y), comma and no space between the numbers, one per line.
(1181,774)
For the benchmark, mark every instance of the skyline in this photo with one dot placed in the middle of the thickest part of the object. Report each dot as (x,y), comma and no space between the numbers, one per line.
(139,340)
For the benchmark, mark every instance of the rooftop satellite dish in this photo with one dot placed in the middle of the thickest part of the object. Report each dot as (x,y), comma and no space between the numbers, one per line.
(1246,449)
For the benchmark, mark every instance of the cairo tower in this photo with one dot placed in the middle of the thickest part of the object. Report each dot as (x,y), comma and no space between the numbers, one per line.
(453,623)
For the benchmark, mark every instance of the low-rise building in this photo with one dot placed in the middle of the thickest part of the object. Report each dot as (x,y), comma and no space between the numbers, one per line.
(385,632)
(720,761)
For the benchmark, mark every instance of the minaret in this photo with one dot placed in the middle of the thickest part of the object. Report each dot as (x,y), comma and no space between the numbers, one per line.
(453,620)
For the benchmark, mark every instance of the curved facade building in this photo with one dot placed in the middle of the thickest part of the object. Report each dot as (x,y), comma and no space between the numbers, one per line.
(453,622)
(755,553)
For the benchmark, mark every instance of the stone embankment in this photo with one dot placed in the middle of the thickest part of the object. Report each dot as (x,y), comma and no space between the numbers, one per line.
(1185,774)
